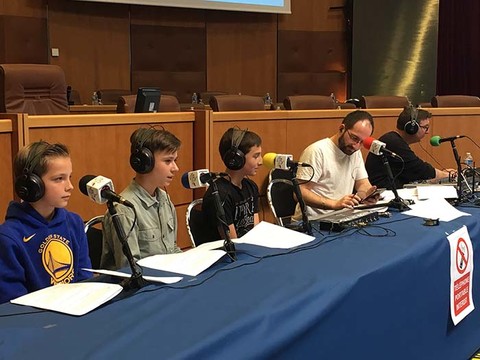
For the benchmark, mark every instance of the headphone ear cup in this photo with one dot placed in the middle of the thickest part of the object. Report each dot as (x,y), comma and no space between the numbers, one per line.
(142,160)
(411,127)
(234,159)
(29,187)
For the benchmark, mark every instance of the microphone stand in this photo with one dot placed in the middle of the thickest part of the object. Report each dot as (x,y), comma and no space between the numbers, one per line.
(397,203)
(307,227)
(136,281)
(459,172)
(228,243)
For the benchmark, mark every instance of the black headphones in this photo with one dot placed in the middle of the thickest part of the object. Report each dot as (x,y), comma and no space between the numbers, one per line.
(234,158)
(29,186)
(411,127)
(142,159)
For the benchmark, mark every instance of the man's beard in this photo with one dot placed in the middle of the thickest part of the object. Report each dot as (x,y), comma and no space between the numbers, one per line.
(347,149)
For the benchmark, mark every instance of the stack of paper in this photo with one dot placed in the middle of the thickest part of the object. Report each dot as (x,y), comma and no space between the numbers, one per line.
(73,299)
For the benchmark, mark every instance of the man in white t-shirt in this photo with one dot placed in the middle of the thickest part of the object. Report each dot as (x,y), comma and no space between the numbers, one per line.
(338,179)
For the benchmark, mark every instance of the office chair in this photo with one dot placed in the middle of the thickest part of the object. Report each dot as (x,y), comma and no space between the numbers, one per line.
(236,103)
(280,196)
(36,89)
(309,102)
(205,96)
(196,222)
(455,101)
(95,240)
(111,96)
(379,102)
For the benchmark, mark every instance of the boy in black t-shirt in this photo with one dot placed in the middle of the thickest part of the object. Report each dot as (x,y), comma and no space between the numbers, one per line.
(241,153)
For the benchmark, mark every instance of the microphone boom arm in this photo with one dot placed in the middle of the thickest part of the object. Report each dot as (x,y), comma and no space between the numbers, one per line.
(459,171)
(136,281)
(222,221)
(307,227)
(397,203)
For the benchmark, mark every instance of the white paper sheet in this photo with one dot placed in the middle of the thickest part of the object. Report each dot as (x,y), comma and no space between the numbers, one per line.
(437,191)
(435,208)
(73,299)
(191,262)
(405,193)
(274,236)
(160,279)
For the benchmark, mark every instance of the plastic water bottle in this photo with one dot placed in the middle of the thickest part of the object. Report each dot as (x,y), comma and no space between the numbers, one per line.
(194,98)
(268,99)
(95,98)
(469,160)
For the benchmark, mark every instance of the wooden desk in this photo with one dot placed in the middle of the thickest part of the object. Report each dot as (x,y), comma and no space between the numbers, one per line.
(93,109)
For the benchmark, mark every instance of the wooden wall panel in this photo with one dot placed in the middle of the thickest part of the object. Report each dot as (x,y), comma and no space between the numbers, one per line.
(311,83)
(180,69)
(23,32)
(2,38)
(168,16)
(308,15)
(7,145)
(94,44)
(25,40)
(312,52)
(28,8)
(168,49)
(241,53)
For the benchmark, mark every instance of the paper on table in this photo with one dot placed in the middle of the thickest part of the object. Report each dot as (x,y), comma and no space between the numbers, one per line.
(191,262)
(437,191)
(435,208)
(274,236)
(405,193)
(160,279)
(73,299)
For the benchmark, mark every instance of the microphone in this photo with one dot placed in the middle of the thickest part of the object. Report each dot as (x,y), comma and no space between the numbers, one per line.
(281,161)
(377,147)
(100,189)
(199,178)
(437,140)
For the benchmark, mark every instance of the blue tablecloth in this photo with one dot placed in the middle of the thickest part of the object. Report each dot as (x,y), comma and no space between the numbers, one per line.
(345,296)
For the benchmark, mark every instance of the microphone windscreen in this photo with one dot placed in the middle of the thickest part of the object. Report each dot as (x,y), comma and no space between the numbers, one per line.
(269,160)
(435,140)
(82,183)
(185,182)
(367,143)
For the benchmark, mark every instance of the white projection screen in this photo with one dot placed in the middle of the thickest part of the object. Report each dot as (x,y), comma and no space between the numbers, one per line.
(267,6)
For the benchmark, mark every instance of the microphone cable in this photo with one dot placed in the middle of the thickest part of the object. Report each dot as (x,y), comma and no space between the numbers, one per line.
(431,156)
(473,141)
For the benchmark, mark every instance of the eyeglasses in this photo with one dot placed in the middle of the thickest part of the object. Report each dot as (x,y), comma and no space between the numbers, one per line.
(354,137)
(425,127)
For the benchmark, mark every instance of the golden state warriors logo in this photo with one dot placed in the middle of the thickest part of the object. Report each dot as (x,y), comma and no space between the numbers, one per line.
(57,259)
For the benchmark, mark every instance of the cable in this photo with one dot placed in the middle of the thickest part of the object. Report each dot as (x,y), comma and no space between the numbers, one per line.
(431,156)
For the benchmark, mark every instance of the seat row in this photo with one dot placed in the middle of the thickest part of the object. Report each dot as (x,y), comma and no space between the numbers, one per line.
(40,89)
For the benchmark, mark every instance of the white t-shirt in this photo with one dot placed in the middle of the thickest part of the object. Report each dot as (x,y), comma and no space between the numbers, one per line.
(334,172)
